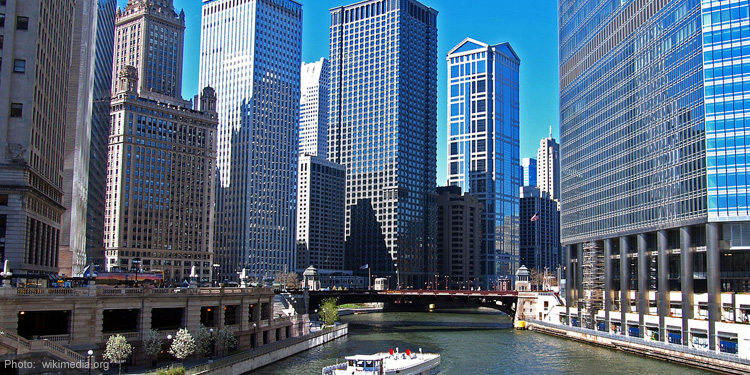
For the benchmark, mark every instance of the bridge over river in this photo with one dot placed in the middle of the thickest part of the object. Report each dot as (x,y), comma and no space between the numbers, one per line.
(419,300)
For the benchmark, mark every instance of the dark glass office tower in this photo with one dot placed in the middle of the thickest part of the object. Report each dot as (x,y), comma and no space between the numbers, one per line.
(383,128)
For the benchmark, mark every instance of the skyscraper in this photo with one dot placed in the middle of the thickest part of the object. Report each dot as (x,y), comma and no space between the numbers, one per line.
(459,238)
(483,145)
(383,129)
(313,108)
(258,83)
(654,170)
(150,35)
(34,93)
(105,31)
(159,210)
(529,171)
(548,167)
(539,230)
(76,149)
(321,193)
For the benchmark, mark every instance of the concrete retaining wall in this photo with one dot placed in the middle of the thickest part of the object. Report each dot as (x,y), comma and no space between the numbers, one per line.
(251,360)
(675,356)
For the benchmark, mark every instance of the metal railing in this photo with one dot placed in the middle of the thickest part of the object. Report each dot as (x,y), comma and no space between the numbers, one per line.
(651,343)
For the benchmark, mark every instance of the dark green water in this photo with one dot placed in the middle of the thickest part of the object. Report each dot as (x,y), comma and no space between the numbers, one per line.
(470,343)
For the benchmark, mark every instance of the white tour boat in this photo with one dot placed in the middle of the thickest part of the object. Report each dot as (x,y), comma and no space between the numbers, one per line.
(391,363)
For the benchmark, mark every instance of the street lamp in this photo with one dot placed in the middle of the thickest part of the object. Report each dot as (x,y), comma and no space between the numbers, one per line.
(88,359)
(169,339)
(211,340)
(254,341)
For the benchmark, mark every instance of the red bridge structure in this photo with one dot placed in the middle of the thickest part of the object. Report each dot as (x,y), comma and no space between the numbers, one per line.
(419,299)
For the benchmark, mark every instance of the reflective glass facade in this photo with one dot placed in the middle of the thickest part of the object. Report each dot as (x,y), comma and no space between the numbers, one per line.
(383,130)
(105,31)
(631,117)
(529,171)
(251,54)
(726,31)
(654,184)
(483,146)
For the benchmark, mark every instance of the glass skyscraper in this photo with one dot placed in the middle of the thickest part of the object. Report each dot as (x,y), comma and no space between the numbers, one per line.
(251,54)
(483,146)
(105,31)
(529,171)
(383,127)
(653,151)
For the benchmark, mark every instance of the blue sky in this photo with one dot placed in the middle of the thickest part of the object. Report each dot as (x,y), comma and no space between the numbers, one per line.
(530,27)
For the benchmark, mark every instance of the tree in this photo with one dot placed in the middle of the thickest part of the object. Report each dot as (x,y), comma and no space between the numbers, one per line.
(536,278)
(118,350)
(226,340)
(329,311)
(203,341)
(183,345)
(289,280)
(152,344)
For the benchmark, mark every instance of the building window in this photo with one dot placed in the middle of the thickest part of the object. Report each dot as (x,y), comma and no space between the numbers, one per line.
(2,19)
(22,23)
(2,39)
(19,66)
(16,109)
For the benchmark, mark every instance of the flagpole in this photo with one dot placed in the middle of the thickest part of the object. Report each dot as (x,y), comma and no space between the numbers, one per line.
(369,277)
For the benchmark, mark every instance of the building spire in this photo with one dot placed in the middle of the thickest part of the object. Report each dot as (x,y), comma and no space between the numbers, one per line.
(550,131)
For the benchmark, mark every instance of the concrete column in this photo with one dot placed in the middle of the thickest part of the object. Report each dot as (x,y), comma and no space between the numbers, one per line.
(713,277)
(568,283)
(686,282)
(242,314)
(624,283)
(642,284)
(579,281)
(192,314)
(662,302)
(145,318)
(607,281)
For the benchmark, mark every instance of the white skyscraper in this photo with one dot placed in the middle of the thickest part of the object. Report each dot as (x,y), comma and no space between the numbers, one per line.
(251,54)
(548,167)
(313,108)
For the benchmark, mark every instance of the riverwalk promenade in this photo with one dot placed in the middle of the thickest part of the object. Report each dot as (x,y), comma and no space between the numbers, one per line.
(702,359)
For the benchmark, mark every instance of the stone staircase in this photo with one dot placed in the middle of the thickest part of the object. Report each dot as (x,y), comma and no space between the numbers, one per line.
(46,347)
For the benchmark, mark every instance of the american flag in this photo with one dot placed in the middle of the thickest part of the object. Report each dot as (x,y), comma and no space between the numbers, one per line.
(535,217)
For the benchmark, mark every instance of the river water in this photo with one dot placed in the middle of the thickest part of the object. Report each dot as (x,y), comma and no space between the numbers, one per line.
(470,342)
